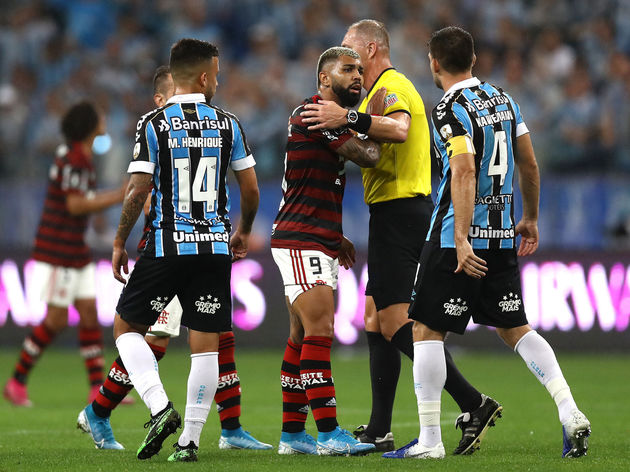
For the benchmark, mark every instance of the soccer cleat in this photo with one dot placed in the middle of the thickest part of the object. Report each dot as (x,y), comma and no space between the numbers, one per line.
(97,427)
(475,425)
(297,443)
(384,444)
(575,433)
(415,450)
(340,442)
(15,392)
(160,427)
(184,453)
(240,439)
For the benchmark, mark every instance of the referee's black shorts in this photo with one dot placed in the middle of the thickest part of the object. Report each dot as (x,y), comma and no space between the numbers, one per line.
(398,229)
(201,282)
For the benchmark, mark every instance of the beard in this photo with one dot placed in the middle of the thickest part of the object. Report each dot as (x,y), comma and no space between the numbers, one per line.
(437,82)
(347,98)
(209,93)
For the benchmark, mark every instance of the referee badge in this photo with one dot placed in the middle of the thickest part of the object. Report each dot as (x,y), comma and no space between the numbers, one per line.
(390,100)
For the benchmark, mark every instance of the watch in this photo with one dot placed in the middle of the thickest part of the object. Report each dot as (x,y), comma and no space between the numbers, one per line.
(352,117)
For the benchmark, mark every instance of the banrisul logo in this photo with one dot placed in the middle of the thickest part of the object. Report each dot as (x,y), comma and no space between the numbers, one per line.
(208,304)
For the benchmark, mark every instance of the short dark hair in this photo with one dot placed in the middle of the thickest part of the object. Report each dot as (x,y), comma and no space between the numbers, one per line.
(80,121)
(332,54)
(187,53)
(160,77)
(453,48)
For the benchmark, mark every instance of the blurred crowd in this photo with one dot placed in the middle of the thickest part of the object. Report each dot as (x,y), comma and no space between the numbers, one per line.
(567,62)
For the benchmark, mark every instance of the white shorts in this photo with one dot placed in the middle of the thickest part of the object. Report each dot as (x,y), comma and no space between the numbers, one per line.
(303,270)
(169,321)
(61,286)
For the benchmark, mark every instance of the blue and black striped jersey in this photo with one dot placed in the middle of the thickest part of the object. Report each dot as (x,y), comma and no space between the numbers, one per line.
(478,118)
(188,146)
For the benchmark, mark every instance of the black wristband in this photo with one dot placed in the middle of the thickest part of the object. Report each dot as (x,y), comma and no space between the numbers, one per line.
(363,123)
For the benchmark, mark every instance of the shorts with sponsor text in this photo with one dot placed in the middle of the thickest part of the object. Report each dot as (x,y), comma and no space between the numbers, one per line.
(398,229)
(445,301)
(201,282)
(302,270)
(61,286)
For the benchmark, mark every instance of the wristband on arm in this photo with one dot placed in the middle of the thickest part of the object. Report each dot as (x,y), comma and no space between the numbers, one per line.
(360,122)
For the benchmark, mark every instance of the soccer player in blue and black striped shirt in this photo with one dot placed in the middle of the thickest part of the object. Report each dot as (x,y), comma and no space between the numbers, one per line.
(468,266)
(182,154)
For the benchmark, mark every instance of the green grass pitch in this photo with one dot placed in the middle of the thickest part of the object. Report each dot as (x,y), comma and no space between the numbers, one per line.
(528,437)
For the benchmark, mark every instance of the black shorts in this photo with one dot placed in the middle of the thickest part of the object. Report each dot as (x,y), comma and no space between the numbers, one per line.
(201,282)
(445,301)
(398,229)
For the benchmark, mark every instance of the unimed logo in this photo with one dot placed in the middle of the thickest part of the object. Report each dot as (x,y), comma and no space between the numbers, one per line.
(556,295)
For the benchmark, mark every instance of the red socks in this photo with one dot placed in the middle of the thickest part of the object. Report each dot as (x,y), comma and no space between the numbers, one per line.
(294,400)
(32,348)
(318,382)
(91,349)
(228,395)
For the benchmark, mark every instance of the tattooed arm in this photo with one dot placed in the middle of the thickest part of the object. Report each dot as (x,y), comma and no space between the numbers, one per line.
(137,191)
(363,152)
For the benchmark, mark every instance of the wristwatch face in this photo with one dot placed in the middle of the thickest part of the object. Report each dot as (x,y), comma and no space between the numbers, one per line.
(352,116)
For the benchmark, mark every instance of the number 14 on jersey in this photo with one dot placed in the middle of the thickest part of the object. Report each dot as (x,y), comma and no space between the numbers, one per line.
(204,186)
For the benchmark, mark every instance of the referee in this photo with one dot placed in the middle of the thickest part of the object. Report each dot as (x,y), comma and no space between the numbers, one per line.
(398,193)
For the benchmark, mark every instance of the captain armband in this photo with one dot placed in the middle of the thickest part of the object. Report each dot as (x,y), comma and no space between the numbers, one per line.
(460,145)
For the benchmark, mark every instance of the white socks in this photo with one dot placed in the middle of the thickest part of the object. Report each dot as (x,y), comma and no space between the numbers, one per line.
(541,360)
(429,376)
(202,385)
(143,370)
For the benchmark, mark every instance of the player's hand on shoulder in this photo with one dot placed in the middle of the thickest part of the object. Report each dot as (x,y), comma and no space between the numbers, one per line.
(324,114)
(347,254)
(469,262)
(528,229)
(239,244)
(376,105)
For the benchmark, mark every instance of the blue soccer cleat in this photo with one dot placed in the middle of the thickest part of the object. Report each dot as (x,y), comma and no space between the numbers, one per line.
(415,450)
(297,443)
(99,428)
(240,439)
(575,433)
(340,442)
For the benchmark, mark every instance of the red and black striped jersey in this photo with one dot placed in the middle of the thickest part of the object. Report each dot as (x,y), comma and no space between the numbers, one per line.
(312,189)
(60,238)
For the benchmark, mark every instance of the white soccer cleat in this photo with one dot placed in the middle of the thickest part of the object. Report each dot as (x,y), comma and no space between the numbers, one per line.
(575,433)
(415,450)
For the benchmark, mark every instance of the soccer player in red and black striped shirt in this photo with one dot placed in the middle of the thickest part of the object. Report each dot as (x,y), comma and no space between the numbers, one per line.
(308,245)
(64,268)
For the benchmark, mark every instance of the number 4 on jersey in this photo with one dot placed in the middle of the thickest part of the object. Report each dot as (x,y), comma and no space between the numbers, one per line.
(203,186)
(499,160)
